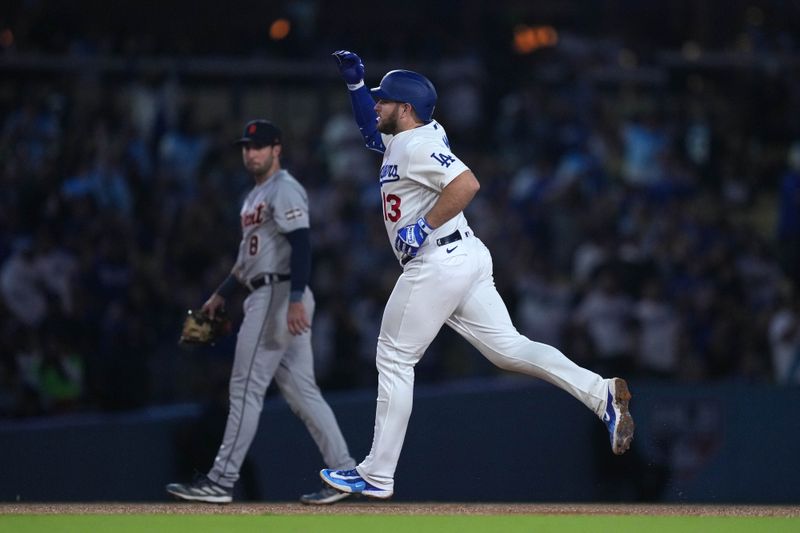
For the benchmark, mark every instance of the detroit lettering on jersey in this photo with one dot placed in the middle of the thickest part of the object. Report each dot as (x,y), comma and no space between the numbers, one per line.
(251,218)
(272,209)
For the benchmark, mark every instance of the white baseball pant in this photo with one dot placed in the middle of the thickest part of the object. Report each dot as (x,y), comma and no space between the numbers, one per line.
(455,288)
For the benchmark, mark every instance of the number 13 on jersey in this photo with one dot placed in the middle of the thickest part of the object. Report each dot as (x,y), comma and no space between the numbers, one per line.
(391,207)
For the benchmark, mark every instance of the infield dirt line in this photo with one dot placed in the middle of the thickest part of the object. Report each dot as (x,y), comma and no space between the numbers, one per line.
(422,508)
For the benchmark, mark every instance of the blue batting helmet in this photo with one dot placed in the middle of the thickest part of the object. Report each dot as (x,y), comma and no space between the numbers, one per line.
(410,87)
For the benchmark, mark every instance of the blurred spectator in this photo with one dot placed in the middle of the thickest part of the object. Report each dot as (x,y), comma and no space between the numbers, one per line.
(27,360)
(788,230)
(659,334)
(606,314)
(103,180)
(21,286)
(56,266)
(461,97)
(544,304)
(60,374)
(634,210)
(784,340)
(646,144)
(343,150)
(182,150)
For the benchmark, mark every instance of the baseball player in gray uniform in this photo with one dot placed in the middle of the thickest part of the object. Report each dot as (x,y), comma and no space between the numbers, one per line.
(274,340)
(447,276)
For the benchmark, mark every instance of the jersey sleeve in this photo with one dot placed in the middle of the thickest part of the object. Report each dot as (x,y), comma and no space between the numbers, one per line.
(434,165)
(290,207)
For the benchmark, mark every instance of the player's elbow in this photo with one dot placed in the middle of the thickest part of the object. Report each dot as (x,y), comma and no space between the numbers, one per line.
(473,184)
(476,185)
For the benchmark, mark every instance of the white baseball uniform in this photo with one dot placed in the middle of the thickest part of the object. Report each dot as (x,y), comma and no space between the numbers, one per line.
(264,347)
(448,282)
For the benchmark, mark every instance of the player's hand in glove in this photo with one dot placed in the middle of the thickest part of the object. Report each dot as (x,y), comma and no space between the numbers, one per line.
(350,66)
(410,238)
(199,328)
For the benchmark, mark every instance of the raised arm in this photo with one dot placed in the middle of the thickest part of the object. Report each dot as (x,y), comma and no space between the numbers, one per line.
(352,70)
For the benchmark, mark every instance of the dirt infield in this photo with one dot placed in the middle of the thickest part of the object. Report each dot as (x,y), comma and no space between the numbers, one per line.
(388,508)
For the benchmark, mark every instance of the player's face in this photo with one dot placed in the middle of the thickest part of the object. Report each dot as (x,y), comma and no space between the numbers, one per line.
(388,115)
(258,159)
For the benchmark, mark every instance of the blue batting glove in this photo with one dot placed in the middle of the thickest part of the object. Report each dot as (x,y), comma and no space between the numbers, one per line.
(350,66)
(410,238)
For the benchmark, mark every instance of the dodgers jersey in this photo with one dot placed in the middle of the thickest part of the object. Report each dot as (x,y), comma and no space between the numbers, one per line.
(271,209)
(417,166)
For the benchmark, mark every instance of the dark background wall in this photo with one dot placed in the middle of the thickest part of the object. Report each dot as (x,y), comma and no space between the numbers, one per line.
(499,440)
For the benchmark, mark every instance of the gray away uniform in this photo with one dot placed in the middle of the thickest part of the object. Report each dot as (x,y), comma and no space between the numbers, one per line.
(264,346)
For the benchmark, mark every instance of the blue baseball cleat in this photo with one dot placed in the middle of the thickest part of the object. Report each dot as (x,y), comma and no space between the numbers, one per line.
(617,417)
(352,482)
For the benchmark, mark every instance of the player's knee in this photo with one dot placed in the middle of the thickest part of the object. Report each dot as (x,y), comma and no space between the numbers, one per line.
(502,361)
(394,361)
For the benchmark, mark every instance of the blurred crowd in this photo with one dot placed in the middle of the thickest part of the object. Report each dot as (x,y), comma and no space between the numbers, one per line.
(650,230)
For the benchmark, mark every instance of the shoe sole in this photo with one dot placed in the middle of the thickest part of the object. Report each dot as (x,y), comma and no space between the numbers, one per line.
(327,501)
(204,499)
(623,433)
(375,496)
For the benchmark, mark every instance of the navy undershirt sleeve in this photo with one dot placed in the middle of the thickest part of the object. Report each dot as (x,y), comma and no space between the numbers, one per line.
(299,262)
(228,286)
(364,113)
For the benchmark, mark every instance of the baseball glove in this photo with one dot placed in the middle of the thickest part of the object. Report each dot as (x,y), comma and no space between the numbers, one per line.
(199,329)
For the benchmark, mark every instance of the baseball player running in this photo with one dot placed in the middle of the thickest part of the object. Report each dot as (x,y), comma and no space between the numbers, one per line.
(274,340)
(447,275)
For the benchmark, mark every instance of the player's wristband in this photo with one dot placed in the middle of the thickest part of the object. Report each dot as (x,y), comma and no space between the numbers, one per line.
(355,86)
(228,286)
(296,296)
(424,226)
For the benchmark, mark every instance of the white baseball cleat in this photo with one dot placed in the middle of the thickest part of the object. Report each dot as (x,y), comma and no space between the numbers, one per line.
(617,417)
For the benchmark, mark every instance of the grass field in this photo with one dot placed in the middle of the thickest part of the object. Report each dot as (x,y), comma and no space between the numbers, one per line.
(414,518)
(390,523)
